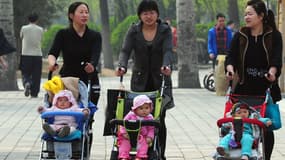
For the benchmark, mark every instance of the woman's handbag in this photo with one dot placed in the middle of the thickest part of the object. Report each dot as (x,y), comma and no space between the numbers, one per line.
(273,112)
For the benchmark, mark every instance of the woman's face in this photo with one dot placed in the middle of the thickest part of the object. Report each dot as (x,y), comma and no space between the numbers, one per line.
(251,18)
(149,17)
(81,15)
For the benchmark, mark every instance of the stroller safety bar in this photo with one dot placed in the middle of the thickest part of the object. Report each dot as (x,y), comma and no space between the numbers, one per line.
(244,120)
(155,123)
(77,115)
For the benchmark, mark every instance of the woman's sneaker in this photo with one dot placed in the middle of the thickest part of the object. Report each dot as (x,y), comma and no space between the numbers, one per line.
(64,131)
(47,128)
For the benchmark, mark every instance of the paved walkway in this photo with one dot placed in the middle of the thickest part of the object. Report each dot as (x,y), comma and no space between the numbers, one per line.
(192,130)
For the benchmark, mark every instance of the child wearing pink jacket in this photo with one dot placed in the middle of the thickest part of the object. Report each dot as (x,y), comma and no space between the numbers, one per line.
(141,110)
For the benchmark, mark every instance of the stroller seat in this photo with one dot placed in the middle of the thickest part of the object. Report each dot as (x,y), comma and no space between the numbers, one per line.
(119,104)
(258,107)
(76,145)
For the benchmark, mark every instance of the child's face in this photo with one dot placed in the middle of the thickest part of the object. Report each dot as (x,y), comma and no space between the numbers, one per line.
(243,113)
(63,103)
(143,110)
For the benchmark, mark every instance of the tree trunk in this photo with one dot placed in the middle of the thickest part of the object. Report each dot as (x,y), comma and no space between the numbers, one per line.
(233,12)
(107,52)
(188,76)
(8,79)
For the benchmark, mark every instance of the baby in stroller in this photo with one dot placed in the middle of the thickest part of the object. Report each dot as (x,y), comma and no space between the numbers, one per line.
(241,111)
(67,119)
(141,110)
(62,125)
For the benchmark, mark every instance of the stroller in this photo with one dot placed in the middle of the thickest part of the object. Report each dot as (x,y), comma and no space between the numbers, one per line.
(119,104)
(76,145)
(257,109)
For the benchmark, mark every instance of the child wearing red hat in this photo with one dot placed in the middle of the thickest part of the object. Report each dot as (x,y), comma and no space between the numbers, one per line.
(141,110)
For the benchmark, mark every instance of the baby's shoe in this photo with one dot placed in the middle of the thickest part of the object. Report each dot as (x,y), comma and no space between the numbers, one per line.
(64,131)
(47,128)
(221,151)
(244,157)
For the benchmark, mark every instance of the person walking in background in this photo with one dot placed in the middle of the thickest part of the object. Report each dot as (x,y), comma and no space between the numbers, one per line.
(80,48)
(255,57)
(151,41)
(31,59)
(5,48)
(231,25)
(219,39)
(174,43)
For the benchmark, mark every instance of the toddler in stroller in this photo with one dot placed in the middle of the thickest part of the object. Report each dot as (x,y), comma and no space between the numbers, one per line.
(241,132)
(141,110)
(63,125)
(67,124)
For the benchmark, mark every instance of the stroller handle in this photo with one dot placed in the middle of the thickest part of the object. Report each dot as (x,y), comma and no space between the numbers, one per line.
(155,123)
(244,120)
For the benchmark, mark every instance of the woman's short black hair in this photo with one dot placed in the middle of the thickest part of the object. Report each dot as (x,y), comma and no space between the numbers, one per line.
(73,7)
(147,5)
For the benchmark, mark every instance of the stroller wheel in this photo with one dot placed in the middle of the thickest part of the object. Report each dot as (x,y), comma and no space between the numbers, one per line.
(114,155)
(153,155)
(210,82)
(253,158)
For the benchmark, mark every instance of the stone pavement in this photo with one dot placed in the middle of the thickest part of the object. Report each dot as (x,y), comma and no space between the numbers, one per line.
(192,130)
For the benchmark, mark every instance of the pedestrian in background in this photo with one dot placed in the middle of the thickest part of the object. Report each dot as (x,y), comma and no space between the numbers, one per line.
(5,48)
(151,42)
(255,57)
(231,25)
(219,39)
(31,59)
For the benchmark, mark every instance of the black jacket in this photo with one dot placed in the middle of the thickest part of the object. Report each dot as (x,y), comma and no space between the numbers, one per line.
(272,43)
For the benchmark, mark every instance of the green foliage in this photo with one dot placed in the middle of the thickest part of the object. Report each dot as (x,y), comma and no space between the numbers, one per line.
(119,32)
(49,37)
(202,29)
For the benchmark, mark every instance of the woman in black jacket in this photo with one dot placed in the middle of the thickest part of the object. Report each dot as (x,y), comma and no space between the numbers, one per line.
(255,57)
(151,42)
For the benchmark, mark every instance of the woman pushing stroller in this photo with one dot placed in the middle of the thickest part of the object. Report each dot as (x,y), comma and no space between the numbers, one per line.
(255,57)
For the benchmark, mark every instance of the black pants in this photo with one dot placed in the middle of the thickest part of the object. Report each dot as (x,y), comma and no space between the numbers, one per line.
(268,143)
(31,68)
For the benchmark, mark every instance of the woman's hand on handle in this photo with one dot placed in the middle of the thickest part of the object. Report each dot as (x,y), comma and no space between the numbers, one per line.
(271,75)
(165,70)
(89,68)
(52,66)
(120,71)
(230,72)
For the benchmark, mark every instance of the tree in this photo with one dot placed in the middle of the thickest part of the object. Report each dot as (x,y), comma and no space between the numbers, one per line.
(107,50)
(188,76)
(233,12)
(8,79)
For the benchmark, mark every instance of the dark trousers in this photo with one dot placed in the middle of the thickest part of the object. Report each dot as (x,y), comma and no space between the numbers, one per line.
(162,134)
(268,143)
(31,68)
